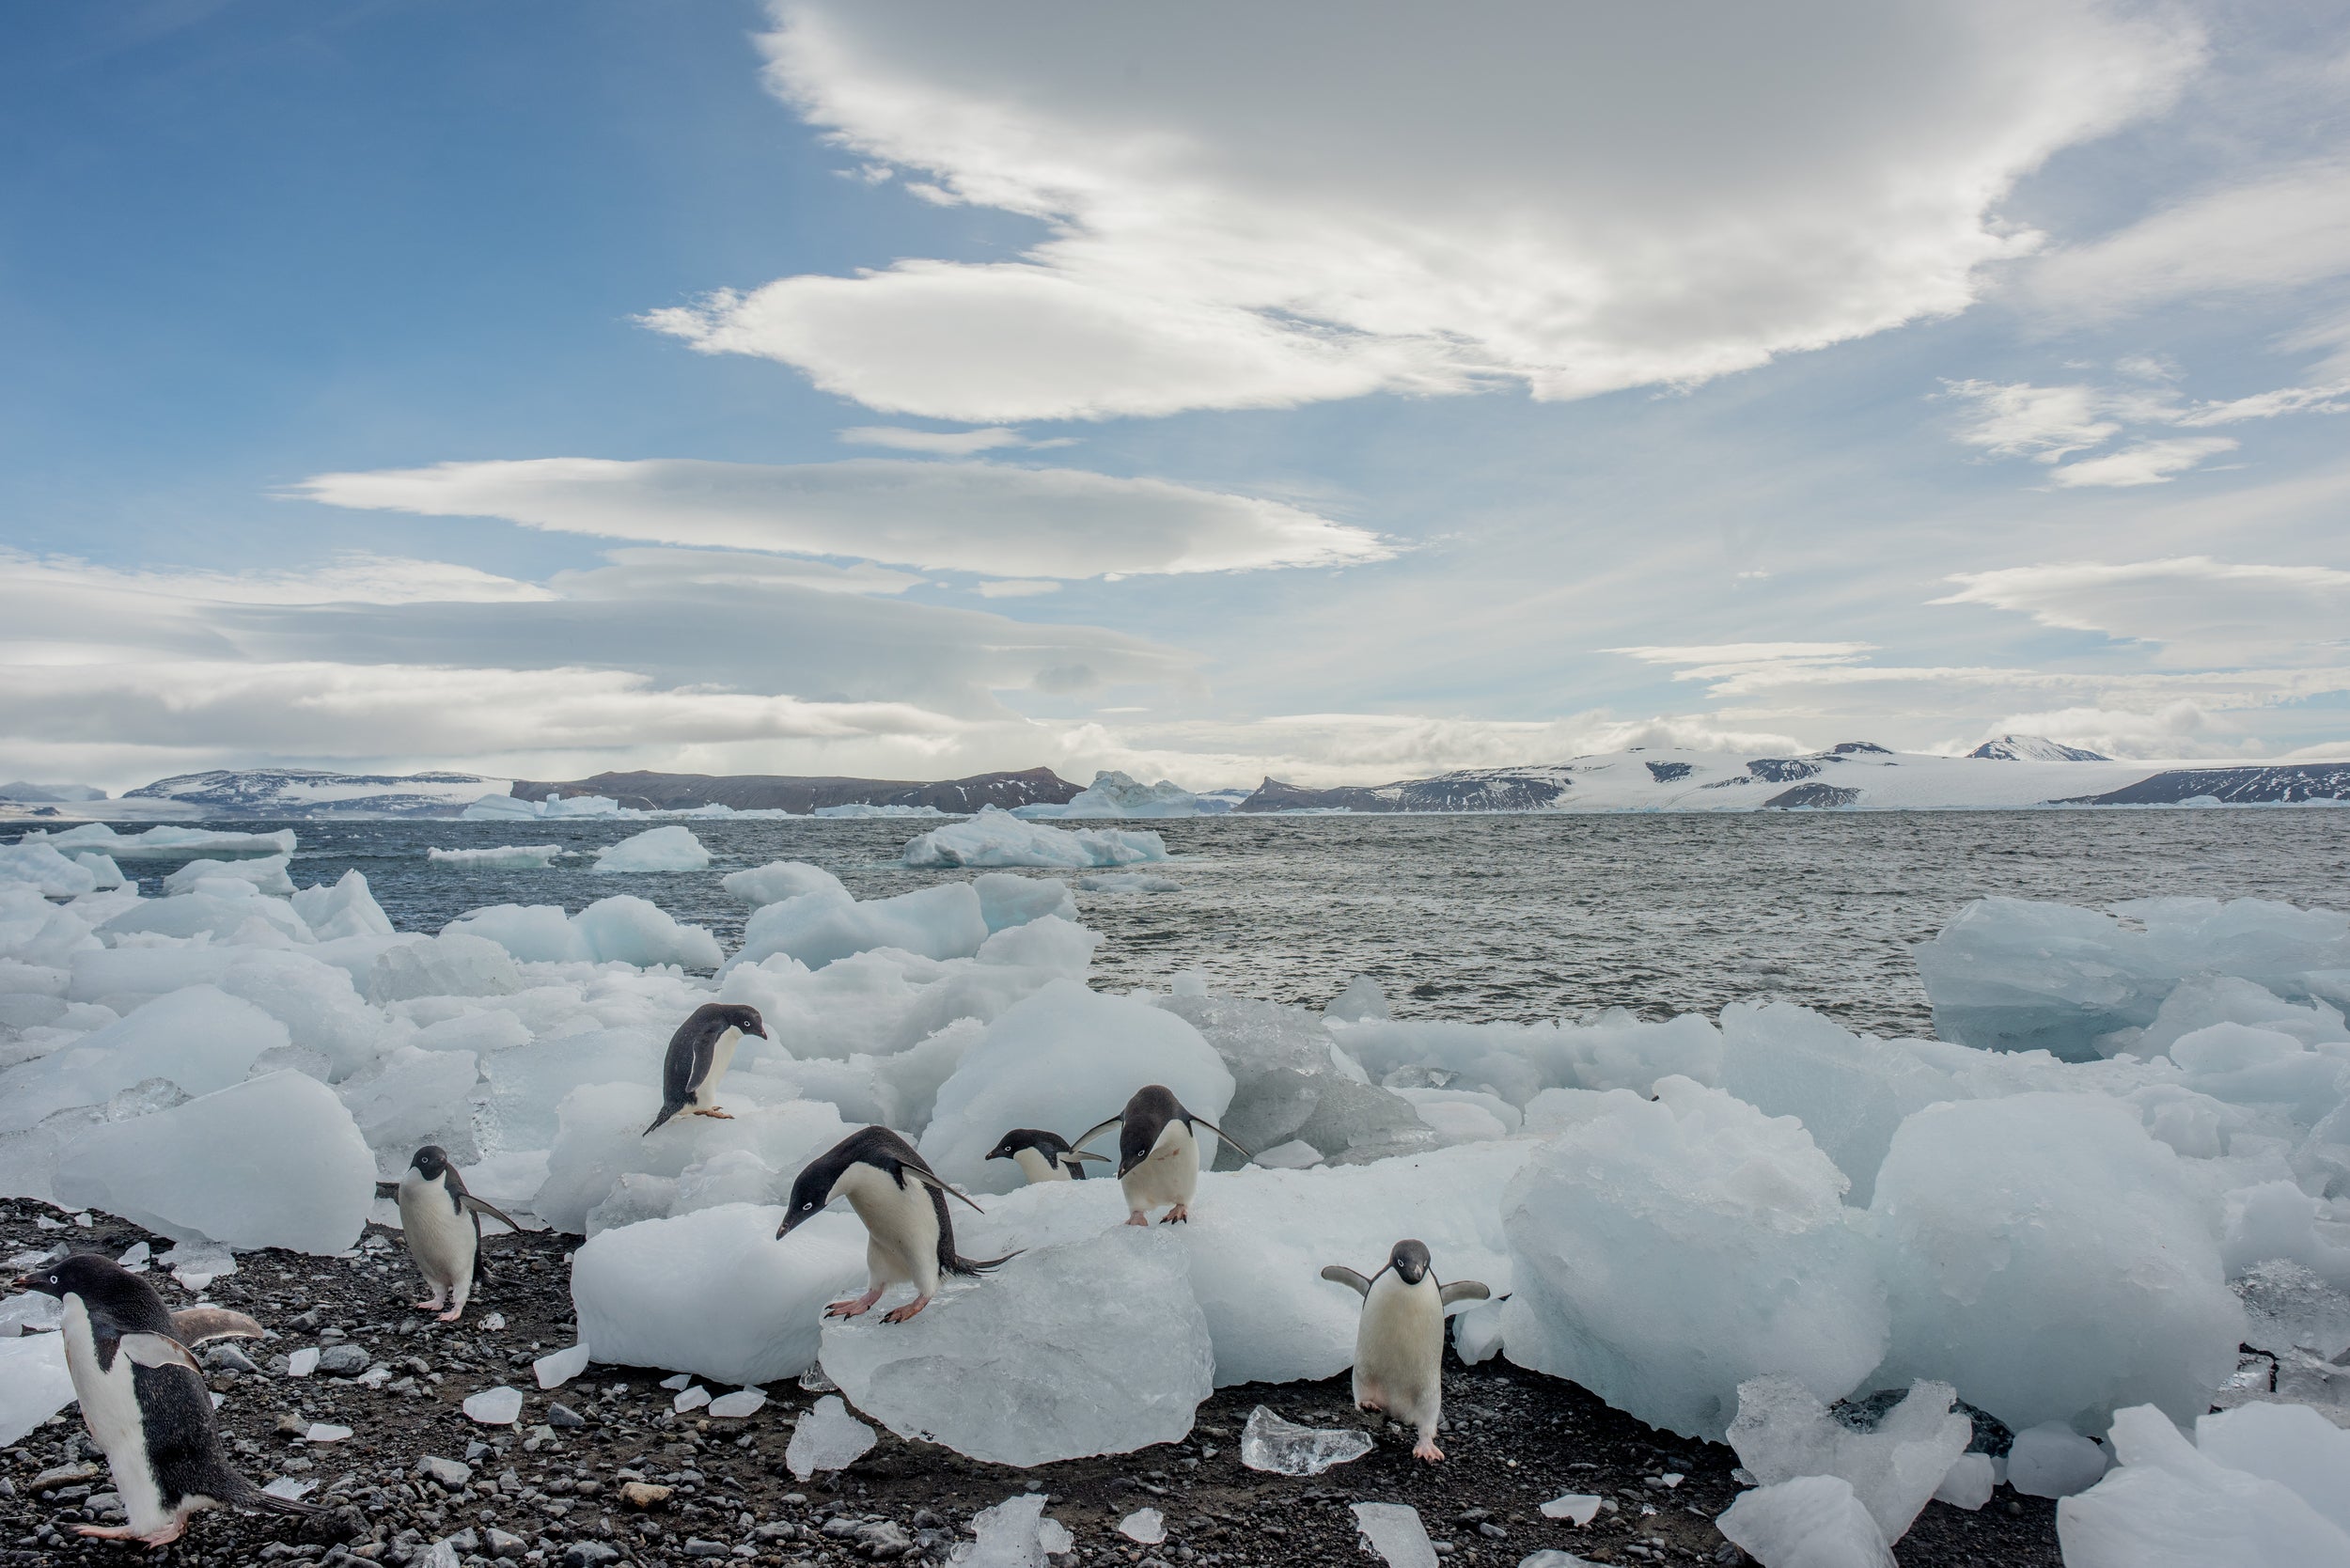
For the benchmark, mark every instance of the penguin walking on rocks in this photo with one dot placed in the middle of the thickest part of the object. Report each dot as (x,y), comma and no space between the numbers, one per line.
(144,1401)
(1158,1153)
(910,1238)
(1043,1156)
(700,1054)
(1399,1343)
(442,1224)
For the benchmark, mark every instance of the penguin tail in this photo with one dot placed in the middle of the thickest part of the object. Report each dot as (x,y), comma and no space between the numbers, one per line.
(667,1112)
(958,1264)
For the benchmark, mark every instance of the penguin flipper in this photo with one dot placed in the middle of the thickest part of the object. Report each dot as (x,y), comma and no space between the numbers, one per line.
(1464,1290)
(1097,1132)
(484,1206)
(1086,1153)
(1339,1273)
(1225,1135)
(157,1349)
(936,1185)
(387,1189)
(195,1325)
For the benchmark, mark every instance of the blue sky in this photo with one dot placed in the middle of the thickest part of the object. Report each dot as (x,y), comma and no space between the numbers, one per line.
(1345,393)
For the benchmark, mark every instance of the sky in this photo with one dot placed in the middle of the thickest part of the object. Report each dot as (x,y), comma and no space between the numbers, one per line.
(1340,392)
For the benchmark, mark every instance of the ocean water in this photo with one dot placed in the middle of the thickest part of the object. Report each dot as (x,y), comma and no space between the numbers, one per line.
(1481,916)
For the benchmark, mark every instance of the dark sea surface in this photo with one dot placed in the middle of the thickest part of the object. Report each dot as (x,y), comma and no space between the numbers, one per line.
(1475,917)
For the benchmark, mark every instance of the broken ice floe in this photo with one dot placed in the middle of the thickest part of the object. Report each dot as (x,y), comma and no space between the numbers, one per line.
(1395,1532)
(1268,1442)
(1576,1508)
(1782,1431)
(1145,1527)
(497,1407)
(2262,1486)
(1811,1521)
(658,849)
(827,1437)
(738,1404)
(560,1367)
(997,838)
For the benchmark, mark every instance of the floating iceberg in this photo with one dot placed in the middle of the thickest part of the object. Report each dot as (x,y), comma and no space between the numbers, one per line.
(267,874)
(1118,794)
(778,880)
(494,809)
(859,809)
(656,849)
(997,838)
(498,857)
(166,842)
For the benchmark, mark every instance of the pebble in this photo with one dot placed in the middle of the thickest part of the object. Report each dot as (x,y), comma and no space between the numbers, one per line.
(644,1494)
(564,1416)
(448,1472)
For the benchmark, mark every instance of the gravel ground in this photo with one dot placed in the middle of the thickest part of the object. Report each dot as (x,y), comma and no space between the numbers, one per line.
(602,1471)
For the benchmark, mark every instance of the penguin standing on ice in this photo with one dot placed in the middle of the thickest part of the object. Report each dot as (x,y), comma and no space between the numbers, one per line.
(700,1054)
(144,1401)
(1158,1152)
(1399,1344)
(442,1224)
(1043,1156)
(909,1237)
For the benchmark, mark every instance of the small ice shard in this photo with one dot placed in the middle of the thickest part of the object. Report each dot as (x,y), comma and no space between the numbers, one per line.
(292,1488)
(1579,1507)
(692,1398)
(1967,1483)
(1010,1535)
(1782,1431)
(1477,1332)
(560,1367)
(303,1362)
(741,1402)
(1054,1536)
(496,1406)
(34,1382)
(1814,1521)
(494,1322)
(29,1313)
(2052,1460)
(135,1257)
(1395,1532)
(197,1263)
(827,1437)
(680,1381)
(324,1431)
(1286,1449)
(1145,1527)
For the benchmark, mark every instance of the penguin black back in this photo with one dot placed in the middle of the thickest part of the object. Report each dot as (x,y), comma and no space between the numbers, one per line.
(1148,1113)
(1055,1148)
(896,1158)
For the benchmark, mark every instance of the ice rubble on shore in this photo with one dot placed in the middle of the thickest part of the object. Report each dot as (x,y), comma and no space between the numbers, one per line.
(1679,1212)
(997,838)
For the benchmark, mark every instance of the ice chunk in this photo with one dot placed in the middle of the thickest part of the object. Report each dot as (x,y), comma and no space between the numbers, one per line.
(1048,943)
(736,1406)
(1967,1483)
(2202,1000)
(1730,1254)
(2052,1460)
(827,1437)
(1462,1115)
(1849,1091)
(1268,1442)
(2278,1220)
(343,911)
(303,1362)
(2059,1211)
(560,1367)
(1146,1525)
(33,1384)
(200,1038)
(1394,1531)
(1030,1365)
(413,1098)
(1359,999)
(102,870)
(1548,1558)
(1477,1332)
(2291,1444)
(1013,1534)
(1118,794)
(275,1161)
(779,880)
(1614,1050)
(715,1292)
(496,1406)
(692,1398)
(657,849)
(224,910)
(602,1140)
(997,838)
(318,1005)
(1292,1084)
(1065,1057)
(1008,899)
(323,1431)
(2287,1305)
(167,841)
(497,858)
(1782,1431)
(1809,1522)
(33,931)
(2168,1505)
(46,871)
(1576,1508)
(622,929)
(267,874)
(821,927)
(450,965)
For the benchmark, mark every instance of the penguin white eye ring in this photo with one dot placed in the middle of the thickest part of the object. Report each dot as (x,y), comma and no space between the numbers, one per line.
(909,1235)
(1398,1342)
(1158,1153)
(698,1056)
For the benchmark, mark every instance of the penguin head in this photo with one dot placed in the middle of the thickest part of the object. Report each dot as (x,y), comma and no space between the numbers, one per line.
(718,1017)
(1018,1138)
(94,1279)
(432,1162)
(1410,1262)
(811,1192)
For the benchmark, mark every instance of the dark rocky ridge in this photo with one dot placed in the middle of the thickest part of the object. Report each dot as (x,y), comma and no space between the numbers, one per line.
(1470,789)
(670,792)
(2277,783)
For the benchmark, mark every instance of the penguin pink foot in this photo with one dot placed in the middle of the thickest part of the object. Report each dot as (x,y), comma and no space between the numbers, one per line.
(1426,1449)
(440,1299)
(1137,1217)
(164,1537)
(901,1314)
(715,1112)
(1179,1214)
(451,1315)
(856,1309)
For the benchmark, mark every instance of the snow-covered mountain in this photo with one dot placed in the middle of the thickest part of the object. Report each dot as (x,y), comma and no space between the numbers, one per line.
(2034,748)
(313,793)
(43,794)
(1856,774)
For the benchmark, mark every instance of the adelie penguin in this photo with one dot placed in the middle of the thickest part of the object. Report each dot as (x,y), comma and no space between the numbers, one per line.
(700,1054)
(1158,1153)
(442,1224)
(1043,1156)
(144,1401)
(1399,1343)
(910,1238)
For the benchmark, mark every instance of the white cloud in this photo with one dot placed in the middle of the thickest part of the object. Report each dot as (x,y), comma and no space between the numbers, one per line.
(1016,587)
(1002,522)
(2267,405)
(354,577)
(943,443)
(2283,230)
(1575,200)
(2181,728)
(2042,423)
(2148,462)
(2201,610)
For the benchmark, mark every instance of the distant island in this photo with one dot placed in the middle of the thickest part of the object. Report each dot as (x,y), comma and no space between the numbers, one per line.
(2013,771)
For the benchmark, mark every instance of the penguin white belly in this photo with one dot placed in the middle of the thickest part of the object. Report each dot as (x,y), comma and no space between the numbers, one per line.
(900,1228)
(440,1239)
(1399,1350)
(110,1408)
(1170,1173)
(1036,1168)
(721,1058)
